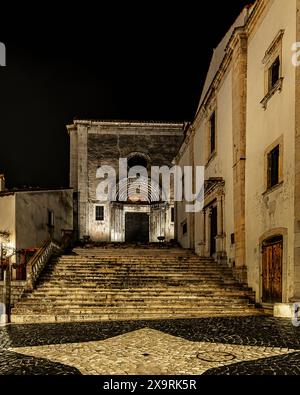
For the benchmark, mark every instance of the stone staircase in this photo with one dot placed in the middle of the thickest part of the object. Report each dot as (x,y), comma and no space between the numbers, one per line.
(125,285)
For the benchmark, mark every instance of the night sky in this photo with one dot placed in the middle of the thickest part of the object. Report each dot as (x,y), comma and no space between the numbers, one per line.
(130,62)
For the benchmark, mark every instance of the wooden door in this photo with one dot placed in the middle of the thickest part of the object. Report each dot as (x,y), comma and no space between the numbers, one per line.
(272,270)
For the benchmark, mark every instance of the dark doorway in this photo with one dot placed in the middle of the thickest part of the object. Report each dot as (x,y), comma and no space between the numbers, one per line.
(272,270)
(213,230)
(137,228)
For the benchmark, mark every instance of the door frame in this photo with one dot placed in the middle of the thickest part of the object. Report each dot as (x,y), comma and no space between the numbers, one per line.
(278,232)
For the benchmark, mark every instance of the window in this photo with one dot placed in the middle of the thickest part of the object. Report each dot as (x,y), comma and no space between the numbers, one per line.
(273,69)
(99,213)
(172,214)
(212,127)
(273,167)
(273,173)
(184,228)
(232,238)
(50,221)
(274,73)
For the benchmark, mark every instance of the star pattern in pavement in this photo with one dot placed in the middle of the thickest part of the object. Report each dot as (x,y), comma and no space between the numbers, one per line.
(149,352)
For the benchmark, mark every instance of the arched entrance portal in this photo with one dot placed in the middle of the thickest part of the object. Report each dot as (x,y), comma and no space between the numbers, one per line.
(272,250)
(139,215)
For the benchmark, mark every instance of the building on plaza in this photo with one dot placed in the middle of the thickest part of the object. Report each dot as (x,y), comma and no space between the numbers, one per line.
(246,134)
(132,216)
(28,218)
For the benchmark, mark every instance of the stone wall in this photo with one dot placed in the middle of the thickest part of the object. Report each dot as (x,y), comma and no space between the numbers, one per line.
(250,121)
(32,214)
(17,288)
(8,216)
(270,212)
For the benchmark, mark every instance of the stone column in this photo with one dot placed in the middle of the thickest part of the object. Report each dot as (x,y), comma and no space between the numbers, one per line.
(220,237)
(220,223)
(163,221)
(192,215)
(201,245)
(207,231)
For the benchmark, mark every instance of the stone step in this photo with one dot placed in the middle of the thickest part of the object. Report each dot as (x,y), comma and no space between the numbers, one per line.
(141,259)
(142,268)
(138,283)
(65,293)
(134,304)
(55,318)
(155,259)
(150,288)
(135,299)
(142,309)
(133,266)
(140,274)
(139,270)
(204,288)
(129,310)
(127,283)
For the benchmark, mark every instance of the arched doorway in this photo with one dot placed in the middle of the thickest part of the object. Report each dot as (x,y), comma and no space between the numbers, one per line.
(272,269)
(139,215)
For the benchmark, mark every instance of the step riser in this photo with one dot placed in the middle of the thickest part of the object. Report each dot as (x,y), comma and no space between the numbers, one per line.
(112,317)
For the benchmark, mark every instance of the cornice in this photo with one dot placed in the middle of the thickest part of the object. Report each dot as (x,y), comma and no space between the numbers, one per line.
(256,14)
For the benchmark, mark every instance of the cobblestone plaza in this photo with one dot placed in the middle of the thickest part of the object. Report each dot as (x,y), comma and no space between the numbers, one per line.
(208,346)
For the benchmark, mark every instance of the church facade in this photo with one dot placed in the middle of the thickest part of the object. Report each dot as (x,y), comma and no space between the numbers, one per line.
(246,135)
(139,215)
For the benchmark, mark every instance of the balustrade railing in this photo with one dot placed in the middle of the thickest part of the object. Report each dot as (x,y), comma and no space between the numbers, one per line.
(37,263)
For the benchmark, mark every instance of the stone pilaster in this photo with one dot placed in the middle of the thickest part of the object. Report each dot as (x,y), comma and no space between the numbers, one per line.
(221,252)
(73,158)
(239,93)
(297,172)
(192,215)
(201,244)
(207,231)
(82,181)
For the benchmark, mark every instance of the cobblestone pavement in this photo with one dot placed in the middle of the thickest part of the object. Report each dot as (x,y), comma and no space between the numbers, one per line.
(212,346)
